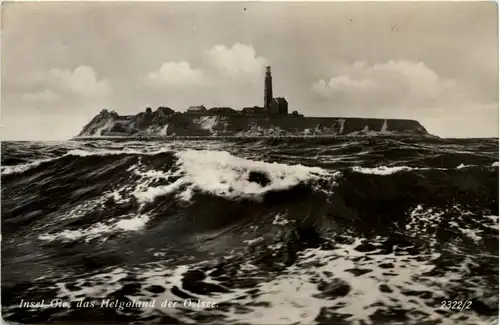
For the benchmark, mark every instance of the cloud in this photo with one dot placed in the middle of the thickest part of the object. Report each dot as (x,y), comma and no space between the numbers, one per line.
(52,103)
(82,82)
(238,60)
(220,65)
(58,88)
(226,76)
(393,84)
(405,89)
(177,74)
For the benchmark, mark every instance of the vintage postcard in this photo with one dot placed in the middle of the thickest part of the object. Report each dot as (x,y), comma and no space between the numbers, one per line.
(249,163)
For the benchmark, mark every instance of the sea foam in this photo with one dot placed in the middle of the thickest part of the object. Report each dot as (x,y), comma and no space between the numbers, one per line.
(222,174)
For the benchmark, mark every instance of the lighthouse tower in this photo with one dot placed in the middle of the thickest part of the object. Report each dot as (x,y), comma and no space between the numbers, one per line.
(268,89)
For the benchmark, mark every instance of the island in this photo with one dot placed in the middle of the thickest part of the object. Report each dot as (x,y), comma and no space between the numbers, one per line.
(273,119)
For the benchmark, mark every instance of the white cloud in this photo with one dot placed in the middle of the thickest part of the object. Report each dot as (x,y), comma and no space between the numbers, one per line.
(240,59)
(409,90)
(82,81)
(393,84)
(221,66)
(177,74)
(227,76)
(57,88)
(53,103)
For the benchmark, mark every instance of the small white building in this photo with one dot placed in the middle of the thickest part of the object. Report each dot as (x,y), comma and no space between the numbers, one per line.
(196,109)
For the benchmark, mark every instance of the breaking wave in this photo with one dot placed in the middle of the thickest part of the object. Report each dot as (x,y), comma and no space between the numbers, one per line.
(350,231)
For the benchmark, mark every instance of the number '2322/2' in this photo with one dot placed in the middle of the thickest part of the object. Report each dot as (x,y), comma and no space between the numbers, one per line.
(456,304)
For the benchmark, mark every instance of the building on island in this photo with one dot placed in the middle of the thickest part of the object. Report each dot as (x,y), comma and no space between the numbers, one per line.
(255,110)
(279,106)
(223,110)
(273,106)
(196,109)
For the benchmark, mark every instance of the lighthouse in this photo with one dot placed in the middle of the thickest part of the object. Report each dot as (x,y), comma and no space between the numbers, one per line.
(273,106)
(268,89)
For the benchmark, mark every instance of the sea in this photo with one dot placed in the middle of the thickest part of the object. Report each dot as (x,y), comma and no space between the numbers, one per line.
(285,230)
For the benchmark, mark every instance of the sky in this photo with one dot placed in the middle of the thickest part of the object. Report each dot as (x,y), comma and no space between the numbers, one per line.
(436,62)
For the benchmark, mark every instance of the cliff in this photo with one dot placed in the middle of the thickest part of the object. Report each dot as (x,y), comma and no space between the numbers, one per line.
(167,122)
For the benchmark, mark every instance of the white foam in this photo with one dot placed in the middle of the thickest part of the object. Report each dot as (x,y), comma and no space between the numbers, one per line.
(108,152)
(150,193)
(220,173)
(133,224)
(494,219)
(381,170)
(292,295)
(386,170)
(461,166)
(495,164)
(424,222)
(291,301)
(81,210)
(471,233)
(280,220)
(255,241)
(16,169)
(98,230)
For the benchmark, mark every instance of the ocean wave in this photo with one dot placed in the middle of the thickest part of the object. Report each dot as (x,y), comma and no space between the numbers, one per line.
(388,170)
(355,280)
(21,168)
(381,170)
(272,230)
(222,174)
(98,230)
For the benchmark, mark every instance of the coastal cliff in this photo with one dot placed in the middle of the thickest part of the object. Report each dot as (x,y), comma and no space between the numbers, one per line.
(167,122)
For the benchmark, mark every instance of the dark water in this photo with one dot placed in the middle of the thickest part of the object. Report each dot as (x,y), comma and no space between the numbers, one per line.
(274,231)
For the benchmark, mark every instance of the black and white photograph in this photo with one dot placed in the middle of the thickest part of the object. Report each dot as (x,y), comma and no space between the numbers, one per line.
(247,163)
